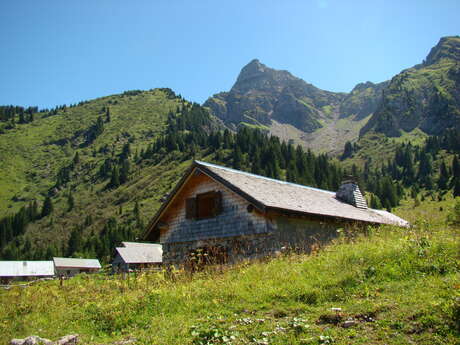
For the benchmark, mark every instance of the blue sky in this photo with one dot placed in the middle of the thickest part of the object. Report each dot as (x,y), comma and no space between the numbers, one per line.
(61,52)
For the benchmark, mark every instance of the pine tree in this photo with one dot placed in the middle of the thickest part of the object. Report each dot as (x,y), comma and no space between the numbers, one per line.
(443,176)
(124,172)
(137,215)
(22,119)
(347,151)
(455,168)
(47,208)
(115,178)
(237,158)
(76,159)
(456,191)
(107,115)
(75,242)
(70,201)
(126,151)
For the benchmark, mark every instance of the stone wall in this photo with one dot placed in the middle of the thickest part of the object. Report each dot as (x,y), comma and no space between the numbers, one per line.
(302,233)
(238,248)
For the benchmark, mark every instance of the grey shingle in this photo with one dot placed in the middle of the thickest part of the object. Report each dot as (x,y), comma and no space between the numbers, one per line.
(288,196)
(141,253)
(26,268)
(76,263)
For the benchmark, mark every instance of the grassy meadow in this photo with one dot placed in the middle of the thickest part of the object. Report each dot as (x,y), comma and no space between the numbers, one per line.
(399,286)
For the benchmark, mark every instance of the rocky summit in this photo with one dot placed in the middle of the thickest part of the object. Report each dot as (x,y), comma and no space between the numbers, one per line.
(424,97)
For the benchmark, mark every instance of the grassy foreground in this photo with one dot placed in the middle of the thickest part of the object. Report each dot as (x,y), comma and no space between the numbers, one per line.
(400,286)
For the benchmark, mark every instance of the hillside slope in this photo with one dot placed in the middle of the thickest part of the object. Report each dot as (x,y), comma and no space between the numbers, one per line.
(71,157)
(32,154)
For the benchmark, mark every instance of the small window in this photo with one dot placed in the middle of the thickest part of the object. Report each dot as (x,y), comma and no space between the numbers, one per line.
(206,205)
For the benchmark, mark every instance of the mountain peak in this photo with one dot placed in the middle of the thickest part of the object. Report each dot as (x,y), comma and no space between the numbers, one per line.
(252,69)
(447,48)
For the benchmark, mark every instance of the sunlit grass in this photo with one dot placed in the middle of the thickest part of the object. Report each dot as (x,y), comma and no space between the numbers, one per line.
(403,279)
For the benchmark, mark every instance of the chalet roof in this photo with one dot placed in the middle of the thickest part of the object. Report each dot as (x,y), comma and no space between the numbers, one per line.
(270,194)
(26,268)
(76,263)
(281,195)
(141,253)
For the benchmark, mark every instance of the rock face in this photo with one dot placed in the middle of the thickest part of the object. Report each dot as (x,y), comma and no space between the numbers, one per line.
(363,100)
(35,340)
(293,109)
(426,96)
(262,94)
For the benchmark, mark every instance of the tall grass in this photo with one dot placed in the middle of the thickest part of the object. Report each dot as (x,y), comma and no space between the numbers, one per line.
(398,284)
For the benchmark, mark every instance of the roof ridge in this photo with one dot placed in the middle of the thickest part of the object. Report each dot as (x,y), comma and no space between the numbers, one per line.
(262,177)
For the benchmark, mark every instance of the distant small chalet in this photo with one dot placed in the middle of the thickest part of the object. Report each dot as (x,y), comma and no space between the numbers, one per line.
(137,256)
(10,270)
(218,214)
(73,266)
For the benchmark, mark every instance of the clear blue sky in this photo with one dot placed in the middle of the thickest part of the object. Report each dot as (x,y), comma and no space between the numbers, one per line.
(61,52)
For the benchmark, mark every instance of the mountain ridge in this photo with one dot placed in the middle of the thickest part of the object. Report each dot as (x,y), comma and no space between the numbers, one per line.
(287,106)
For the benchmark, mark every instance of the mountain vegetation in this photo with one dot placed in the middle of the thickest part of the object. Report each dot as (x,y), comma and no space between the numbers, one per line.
(425,96)
(77,180)
(104,181)
(100,178)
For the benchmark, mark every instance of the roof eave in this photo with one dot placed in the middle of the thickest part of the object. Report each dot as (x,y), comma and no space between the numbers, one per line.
(317,215)
(259,205)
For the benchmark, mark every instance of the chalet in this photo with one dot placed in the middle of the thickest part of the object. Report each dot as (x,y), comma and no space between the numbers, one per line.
(70,266)
(25,270)
(225,215)
(137,256)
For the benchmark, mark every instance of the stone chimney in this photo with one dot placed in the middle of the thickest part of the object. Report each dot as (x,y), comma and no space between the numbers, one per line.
(349,192)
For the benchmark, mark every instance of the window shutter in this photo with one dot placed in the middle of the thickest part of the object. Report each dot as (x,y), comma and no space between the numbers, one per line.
(217,203)
(190,208)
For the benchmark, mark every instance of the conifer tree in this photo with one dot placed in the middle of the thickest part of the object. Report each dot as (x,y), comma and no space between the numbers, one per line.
(137,215)
(347,151)
(456,168)
(115,178)
(75,242)
(443,176)
(456,191)
(76,158)
(124,172)
(237,158)
(70,201)
(47,208)
(107,115)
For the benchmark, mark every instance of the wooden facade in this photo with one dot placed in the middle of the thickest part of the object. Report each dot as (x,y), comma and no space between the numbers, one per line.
(213,216)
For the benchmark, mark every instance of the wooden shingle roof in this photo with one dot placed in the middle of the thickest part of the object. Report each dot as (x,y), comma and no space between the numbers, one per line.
(26,268)
(281,195)
(140,253)
(76,263)
(269,194)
